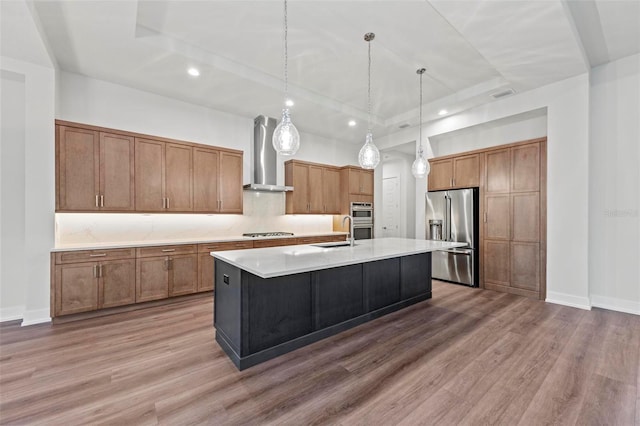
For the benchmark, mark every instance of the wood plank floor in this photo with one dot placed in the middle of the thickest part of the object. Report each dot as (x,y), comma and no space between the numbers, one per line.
(467,356)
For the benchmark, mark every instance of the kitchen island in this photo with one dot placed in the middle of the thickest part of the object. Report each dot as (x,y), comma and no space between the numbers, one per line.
(271,301)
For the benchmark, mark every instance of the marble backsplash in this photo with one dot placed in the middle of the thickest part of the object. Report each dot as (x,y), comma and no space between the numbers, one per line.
(263,212)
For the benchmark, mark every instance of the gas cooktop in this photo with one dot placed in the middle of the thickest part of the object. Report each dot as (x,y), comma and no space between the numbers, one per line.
(267,234)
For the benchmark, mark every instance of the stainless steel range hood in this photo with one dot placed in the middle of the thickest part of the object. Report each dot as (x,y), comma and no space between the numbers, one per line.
(265,159)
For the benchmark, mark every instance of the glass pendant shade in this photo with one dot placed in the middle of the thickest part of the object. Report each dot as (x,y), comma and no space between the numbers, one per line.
(420,167)
(369,156)
(286,139)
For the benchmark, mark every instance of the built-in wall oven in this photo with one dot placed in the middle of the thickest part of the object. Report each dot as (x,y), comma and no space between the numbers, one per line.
(362,214)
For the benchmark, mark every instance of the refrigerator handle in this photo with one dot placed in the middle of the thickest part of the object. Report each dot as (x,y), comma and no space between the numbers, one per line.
(448,218)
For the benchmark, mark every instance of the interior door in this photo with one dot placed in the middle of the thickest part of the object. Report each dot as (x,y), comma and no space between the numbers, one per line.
(390,207)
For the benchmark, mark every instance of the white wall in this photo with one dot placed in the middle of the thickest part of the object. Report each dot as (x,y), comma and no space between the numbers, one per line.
(33,194)
(614,186)
(12,197)
(566,103)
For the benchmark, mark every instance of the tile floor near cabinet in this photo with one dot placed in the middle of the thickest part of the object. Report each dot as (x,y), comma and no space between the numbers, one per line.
(467,356)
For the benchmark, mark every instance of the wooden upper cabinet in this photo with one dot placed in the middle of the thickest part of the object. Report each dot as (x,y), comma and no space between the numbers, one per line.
(230,181)
(441,175)
(163,176)
(206,170)
(178,178)
(331,190)
(497,171)
(466,171)
(150,178)
(117,174)
(316,189)
(95,170)
(525,168)
(297,175)
(456,172)
(360,181)
(102,170)
(78,169)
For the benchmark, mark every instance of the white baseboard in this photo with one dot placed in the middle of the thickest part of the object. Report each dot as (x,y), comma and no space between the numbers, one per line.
(615,304)
(568,300)
(37,316)
(11,313)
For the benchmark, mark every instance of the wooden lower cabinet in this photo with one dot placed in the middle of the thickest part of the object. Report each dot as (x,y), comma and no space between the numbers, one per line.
(82,287)
(82,283)
(166,276)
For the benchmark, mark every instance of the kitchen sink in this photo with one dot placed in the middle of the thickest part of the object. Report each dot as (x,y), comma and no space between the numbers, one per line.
(333,244)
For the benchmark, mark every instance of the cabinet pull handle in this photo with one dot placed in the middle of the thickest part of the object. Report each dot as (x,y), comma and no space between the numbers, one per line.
(220,204)
(102,201)
(98,255)
(163,203)
(167,250)
(167,202)
(166,263)
(97,205)
(100,271)
(95,271)
(485,217)
(451,181)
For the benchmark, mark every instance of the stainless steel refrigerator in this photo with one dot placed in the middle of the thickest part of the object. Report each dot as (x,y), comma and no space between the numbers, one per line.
(453,216)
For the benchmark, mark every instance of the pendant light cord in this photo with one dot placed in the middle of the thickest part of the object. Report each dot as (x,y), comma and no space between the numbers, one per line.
(369,92)
(420,142)
(286,55)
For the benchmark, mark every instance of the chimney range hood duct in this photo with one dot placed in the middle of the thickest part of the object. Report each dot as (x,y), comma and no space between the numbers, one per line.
(264,157)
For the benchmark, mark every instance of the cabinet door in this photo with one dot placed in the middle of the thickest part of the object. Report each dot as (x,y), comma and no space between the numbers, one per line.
(497,217)
(76,287)
(183,274)
(496,262)
(498,171)
(441,175)
(78,171)
(116,172)
(466,171)
(149,180)
(117,283)
(366,182)
(205,272)
(178,177)
(525,216)
(300,192)
(205,180)
(525,266)
(152,278)
(230,182)
(316,204)
(331,191)
(354,181)
(525,168)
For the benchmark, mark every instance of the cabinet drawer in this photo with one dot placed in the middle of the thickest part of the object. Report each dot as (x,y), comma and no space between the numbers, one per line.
(93,255)
(230,245)
(321,239)
(166,250)
(275,242)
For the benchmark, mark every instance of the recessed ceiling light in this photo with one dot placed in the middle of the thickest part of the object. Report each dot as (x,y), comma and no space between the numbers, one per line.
(352,123)
(442,112)
(288,103)
(193,72)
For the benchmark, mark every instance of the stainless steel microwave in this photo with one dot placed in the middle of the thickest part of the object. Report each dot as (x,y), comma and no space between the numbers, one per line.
(362,213)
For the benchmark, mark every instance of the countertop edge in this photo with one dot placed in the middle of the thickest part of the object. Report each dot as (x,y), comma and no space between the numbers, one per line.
(223,255)
(133,244)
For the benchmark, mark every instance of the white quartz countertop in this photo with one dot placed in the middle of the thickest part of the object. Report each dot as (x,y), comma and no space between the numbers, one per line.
(151,243)
(278,261)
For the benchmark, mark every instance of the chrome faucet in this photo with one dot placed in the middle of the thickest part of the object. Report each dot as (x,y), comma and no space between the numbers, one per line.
(350,238)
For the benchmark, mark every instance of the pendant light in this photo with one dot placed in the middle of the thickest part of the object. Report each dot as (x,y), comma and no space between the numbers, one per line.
(420,167)
(369,156)
(286,139)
